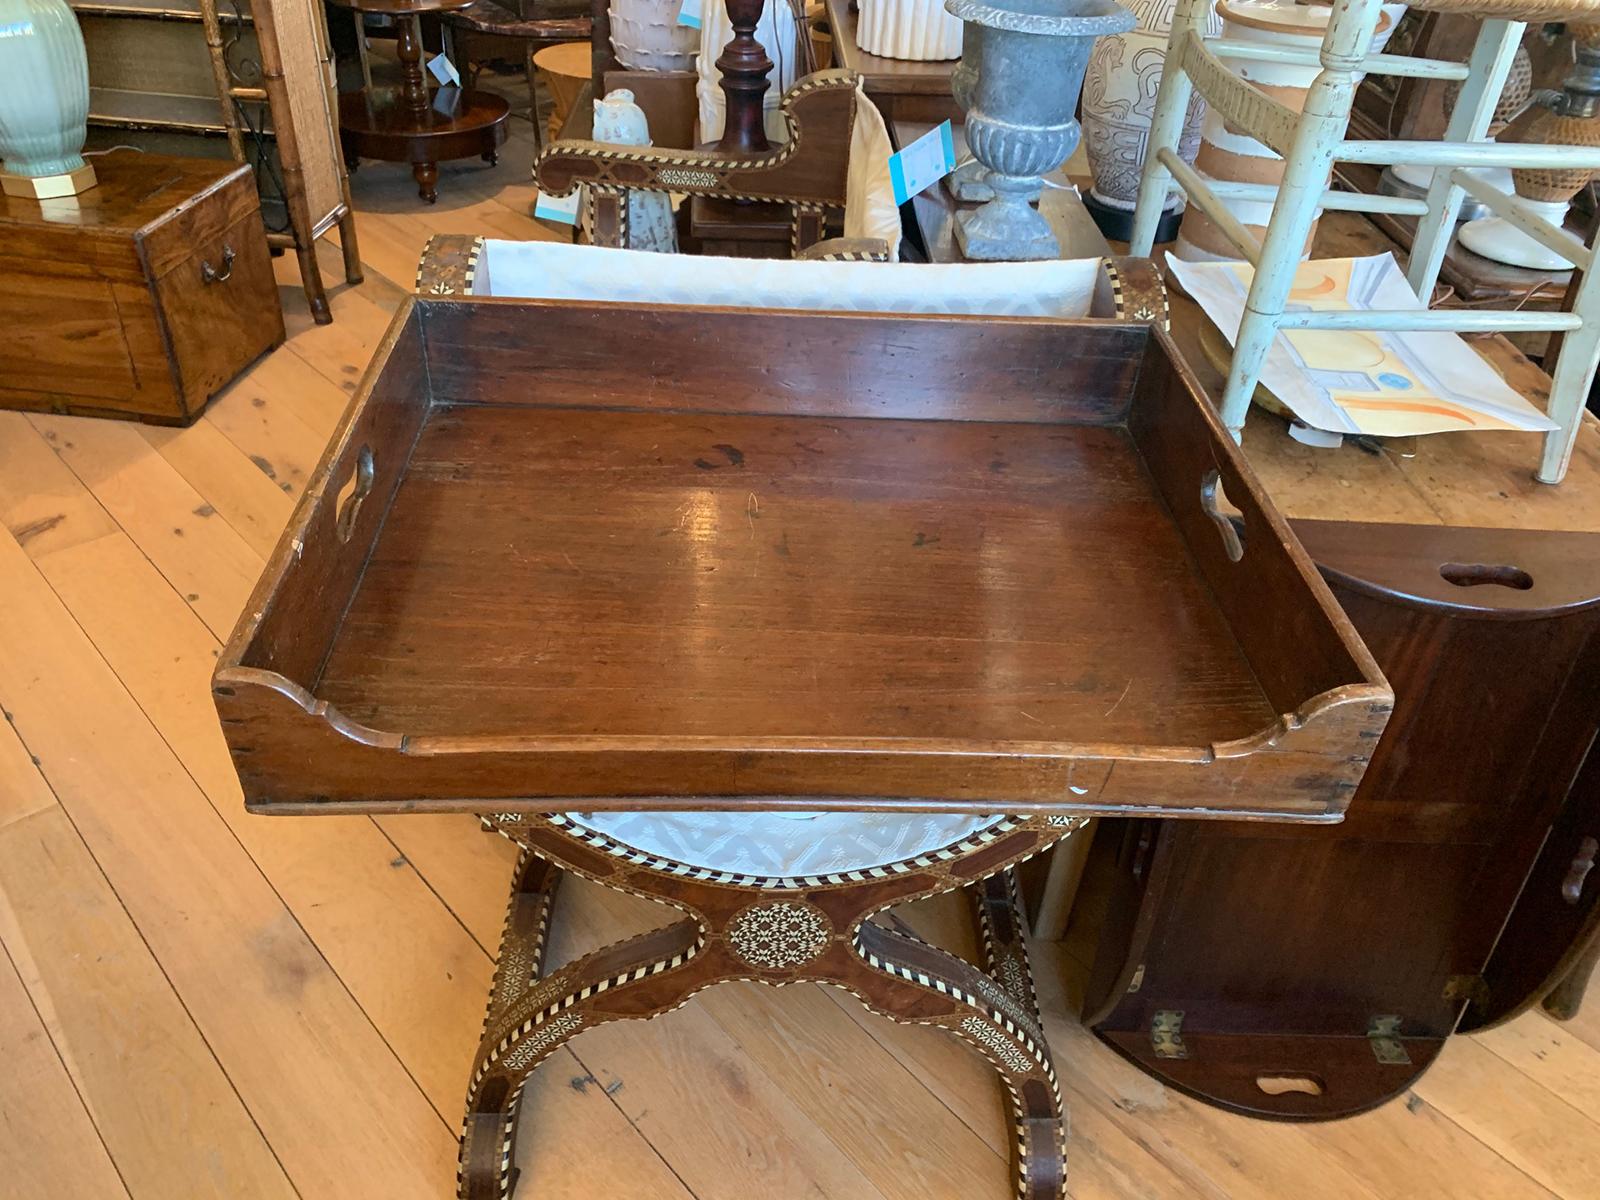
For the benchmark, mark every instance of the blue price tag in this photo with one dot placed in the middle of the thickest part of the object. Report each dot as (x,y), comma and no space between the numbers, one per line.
(559,208)
(689,14)
(923,163)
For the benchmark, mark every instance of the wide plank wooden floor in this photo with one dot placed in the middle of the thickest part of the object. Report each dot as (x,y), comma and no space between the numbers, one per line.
(199,1003)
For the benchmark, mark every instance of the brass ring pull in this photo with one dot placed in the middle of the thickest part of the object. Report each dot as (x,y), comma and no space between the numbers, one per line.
(210,274)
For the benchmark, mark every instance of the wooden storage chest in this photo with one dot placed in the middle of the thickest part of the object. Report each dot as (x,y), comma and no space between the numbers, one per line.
(140,298)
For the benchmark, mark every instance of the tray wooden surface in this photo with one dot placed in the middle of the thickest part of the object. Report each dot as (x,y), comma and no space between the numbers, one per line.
(584,555)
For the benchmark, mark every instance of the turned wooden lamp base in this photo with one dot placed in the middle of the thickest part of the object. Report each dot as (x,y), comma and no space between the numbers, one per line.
(776,935)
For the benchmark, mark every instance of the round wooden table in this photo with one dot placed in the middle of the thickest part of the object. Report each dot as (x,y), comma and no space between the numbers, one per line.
(411,123)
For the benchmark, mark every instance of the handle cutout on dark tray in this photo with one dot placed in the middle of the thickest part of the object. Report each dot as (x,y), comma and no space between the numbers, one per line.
(1479,574)
(1283,1085)
(1226,514)
(353,493)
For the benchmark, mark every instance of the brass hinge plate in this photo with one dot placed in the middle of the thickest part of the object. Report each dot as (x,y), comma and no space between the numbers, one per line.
(1383,1032)
(1166,1040)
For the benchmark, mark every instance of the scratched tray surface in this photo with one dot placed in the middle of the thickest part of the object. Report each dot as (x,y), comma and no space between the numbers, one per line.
(577,572)
(571,552)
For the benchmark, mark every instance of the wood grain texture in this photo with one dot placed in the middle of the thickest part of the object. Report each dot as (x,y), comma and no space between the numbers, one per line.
(1132,1138)
(113,309)
(633,484)
(134,1054)
(50,1147)
(1399,909)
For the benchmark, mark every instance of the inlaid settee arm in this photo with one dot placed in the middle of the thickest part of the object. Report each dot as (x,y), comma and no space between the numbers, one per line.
(808,168)
(843,249)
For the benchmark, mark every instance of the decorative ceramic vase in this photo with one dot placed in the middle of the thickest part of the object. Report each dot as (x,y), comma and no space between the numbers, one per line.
(779,34)
(618,121)
(44,100)
(913,30)
(646,36)
(1236,157)
(1404,179)
(1021,70)
(1119,102)
(1571,117)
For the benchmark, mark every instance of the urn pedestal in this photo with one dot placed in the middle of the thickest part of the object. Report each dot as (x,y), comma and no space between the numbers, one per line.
(1021,70)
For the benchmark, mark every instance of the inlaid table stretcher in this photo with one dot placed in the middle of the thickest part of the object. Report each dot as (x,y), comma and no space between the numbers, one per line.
(968,579)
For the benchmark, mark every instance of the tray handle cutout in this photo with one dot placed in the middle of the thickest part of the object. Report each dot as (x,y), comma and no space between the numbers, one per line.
(1284,1084)
(354,492)
(1479,574)
(1227,515)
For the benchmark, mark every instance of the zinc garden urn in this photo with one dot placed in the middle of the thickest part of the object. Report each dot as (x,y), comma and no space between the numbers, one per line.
(1022,66)
(44,100)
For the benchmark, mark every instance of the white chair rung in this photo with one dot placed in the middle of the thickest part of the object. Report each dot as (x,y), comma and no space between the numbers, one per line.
(1377,64)
(1557,241)
(1468,154)
(1266,193)
(1449,320)
(1202,197)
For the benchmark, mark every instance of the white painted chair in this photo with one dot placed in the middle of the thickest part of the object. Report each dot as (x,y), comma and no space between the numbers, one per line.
(1313,140)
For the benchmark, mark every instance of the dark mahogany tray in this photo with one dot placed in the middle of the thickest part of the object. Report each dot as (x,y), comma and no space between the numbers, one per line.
(642,556)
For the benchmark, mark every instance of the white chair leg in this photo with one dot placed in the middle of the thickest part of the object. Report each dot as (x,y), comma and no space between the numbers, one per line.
(1166,127)
(1571,380)
(1491,59)
(1305,178)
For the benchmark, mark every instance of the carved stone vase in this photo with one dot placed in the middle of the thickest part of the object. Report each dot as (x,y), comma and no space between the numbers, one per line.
(1119,102)
(44,100)
(1021,71)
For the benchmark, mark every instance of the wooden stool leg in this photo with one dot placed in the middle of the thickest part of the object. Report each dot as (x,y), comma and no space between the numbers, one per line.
(347,243)
(311,281)
(530,1018)
(427,176)
(1566,998)
(913,981)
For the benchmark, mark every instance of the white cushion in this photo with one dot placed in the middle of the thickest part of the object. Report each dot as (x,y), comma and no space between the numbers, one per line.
(870,210)
(784,845)
(562,271)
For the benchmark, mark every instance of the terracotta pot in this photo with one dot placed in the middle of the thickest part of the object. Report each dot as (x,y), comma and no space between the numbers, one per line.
(1232,156)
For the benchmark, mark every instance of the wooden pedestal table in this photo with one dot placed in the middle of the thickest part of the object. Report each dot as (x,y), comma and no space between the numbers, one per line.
(992,582)
(413,123)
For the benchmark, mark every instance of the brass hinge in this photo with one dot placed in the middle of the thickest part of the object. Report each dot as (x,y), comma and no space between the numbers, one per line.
(1137,981)
(1384,1034)
(1165,1038)
(1471,988)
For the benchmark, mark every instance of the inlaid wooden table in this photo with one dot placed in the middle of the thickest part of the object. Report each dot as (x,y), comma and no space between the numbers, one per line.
(413,123)
(782,640)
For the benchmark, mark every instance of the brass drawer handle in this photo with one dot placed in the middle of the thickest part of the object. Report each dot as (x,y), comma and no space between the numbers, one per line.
(210,274)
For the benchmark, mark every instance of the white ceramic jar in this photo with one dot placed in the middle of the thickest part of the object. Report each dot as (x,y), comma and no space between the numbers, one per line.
(914,30)
(44,90)
(646,36)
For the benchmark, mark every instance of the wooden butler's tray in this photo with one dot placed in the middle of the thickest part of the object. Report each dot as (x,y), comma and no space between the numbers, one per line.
(603,556)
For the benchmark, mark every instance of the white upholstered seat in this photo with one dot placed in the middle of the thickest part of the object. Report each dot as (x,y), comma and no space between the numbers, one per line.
(783,845)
